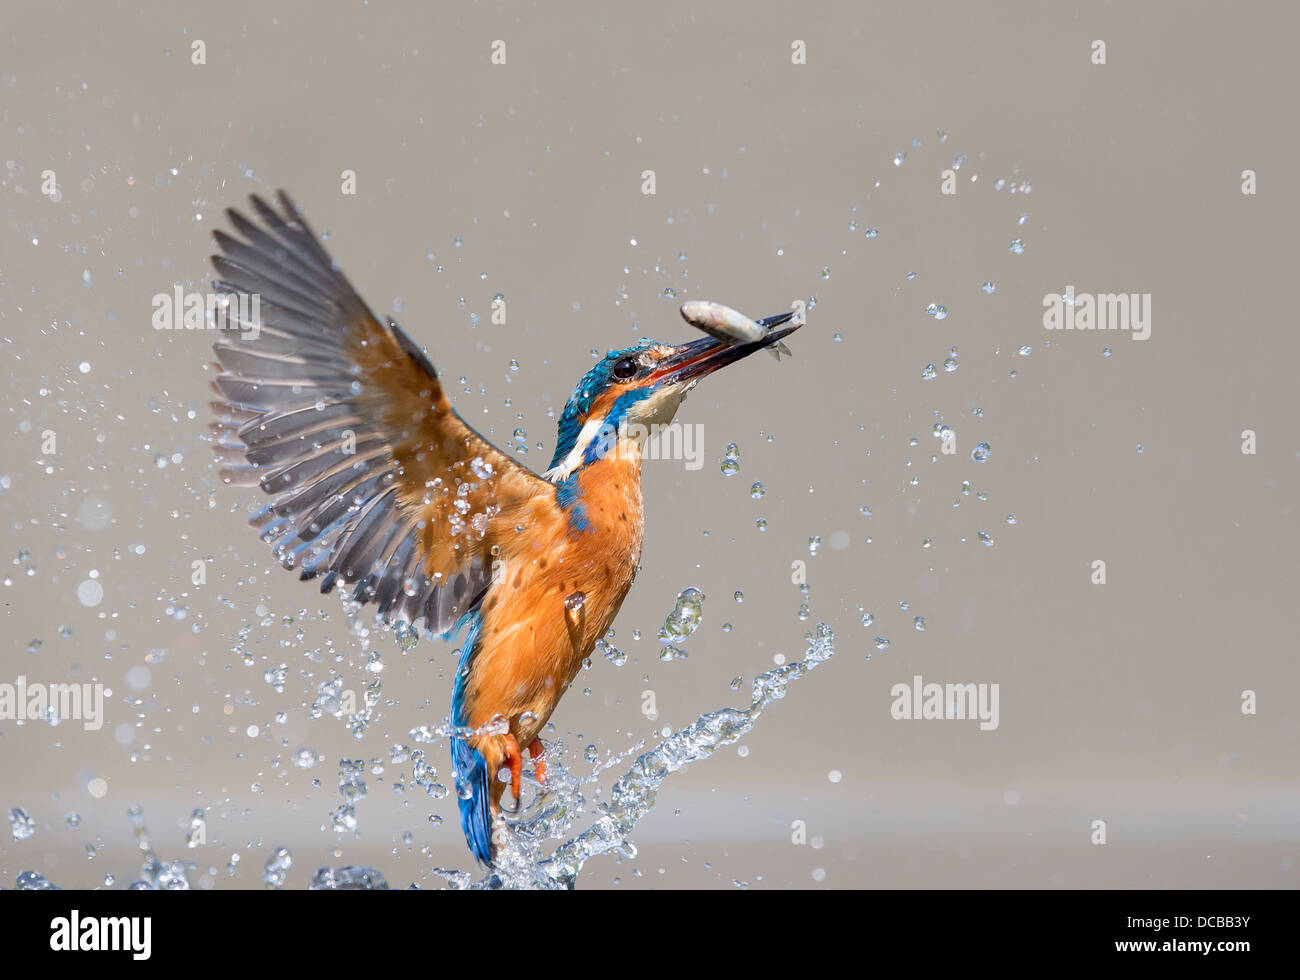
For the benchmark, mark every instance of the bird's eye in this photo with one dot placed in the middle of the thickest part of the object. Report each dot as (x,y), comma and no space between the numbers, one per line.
(625,368)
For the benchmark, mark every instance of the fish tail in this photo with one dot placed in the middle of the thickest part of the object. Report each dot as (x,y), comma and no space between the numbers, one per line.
(777,349)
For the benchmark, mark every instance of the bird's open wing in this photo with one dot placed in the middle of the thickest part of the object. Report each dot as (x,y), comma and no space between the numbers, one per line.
(375,481)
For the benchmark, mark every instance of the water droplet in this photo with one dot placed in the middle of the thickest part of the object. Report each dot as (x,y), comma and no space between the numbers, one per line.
(611,653)
(981,453)
(881,643)
(682,622)
(731,460)
(1017,246)
(988,287)
(930,373)
(756,491)
(937,310)
(21,825)
(919,623)
(277,866)
(348,879)
(1025,351)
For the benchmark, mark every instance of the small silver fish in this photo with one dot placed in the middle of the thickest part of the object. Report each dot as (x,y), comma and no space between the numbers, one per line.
(727,324)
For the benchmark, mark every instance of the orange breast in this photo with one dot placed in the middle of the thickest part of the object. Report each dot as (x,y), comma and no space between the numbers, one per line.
(556,592)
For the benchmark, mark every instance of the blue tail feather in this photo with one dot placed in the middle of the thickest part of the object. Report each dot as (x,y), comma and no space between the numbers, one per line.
(471,768)
(472,789)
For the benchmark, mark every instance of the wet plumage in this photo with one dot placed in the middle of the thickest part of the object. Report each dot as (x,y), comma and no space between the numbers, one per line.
(377,486)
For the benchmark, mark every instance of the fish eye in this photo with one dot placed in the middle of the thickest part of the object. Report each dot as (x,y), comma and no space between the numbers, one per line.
(625,368)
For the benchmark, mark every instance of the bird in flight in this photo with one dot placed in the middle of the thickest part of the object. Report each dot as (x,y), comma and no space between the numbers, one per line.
(378,486)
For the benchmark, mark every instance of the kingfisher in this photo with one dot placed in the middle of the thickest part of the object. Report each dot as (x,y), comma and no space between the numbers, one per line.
(377,486)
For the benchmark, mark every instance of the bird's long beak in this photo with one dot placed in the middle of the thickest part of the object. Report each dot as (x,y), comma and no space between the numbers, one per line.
(690,362)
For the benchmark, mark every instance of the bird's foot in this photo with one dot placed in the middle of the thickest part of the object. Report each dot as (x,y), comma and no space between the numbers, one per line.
(537,752)
(515,760)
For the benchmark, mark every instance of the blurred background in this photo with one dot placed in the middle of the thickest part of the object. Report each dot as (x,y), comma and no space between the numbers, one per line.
(774,181)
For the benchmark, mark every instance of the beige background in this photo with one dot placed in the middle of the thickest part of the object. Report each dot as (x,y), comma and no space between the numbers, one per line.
(1118,702)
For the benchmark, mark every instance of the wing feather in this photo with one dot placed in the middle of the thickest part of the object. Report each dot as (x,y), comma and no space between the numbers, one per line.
(375,481)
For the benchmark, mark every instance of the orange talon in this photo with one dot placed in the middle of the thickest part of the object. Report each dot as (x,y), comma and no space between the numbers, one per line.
(515,760)
(536,752)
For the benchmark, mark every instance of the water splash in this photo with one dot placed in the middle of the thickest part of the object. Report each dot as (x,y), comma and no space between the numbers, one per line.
(552,815)
(520,860)
(277,867)
(155,875)
(34,881)
(348,880)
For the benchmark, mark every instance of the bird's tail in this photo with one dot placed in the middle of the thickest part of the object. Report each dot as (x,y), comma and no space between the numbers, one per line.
(472,776)
(472,796)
